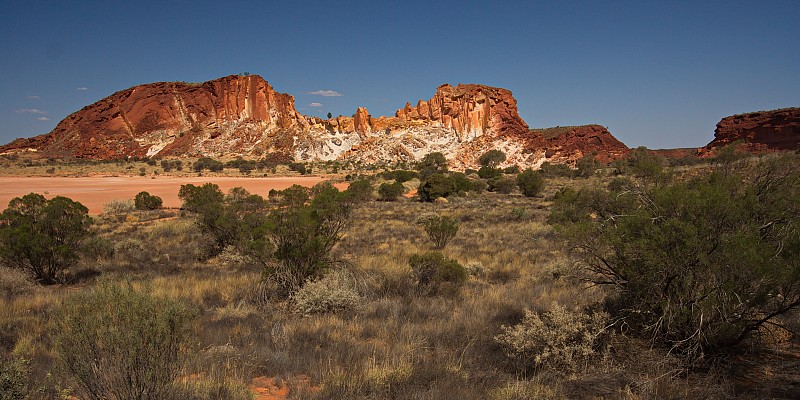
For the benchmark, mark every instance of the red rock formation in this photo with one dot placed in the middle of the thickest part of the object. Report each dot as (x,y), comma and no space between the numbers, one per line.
(471,110)
(175,117)
(244,116)
(761,131)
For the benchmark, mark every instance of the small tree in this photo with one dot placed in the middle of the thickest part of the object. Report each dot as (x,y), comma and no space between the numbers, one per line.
(530,183)
(502,184)
(390,191)
(492,158)
(432,163)
(146,201)
(440,229)
(42,237)
(432,269)
(437,185)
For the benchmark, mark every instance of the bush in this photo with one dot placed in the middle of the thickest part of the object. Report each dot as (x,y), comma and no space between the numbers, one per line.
(400,175)
(118,209)
(432,163)
(530,183)
(146,201)
(432,269)
(440,229)
(209,164)
(336,291)
(437,185)
(390,191)
(723,252)
(502,184)
(360,190)
(556,170)
(42,237)
(121,343)
(13,378)
(557,339)
(489,172)
(492,158)
(586,166)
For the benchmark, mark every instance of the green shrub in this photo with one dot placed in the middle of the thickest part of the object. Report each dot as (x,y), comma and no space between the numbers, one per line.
(487,172)
(118,209)
(121,343)
(432,269)
(336,291)
(586,166)
(390,191)
(360,190)
(146,201)
(530,183)
(723,251)
(440,229)
(400,175)
(556,170)
(435,186)
(13,378)
(492,158)
(557,339)
(432,163)
(209,164)
(42,237)
(502,184)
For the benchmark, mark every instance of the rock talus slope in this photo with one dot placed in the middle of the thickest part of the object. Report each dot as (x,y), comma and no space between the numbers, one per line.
(244,116)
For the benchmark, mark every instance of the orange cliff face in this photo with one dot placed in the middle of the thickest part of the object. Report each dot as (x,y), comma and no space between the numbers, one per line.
(762,131)
(245,116)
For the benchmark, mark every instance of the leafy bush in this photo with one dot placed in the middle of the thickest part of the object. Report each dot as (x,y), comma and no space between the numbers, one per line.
(558,338)
(502,184)
(13,378)
(360,190)
(209,164)
(42,237)
(487,172)
(400,175)
(390,191)
(556,170)
(530,183)
(492,158)
(435,186)
(586,166)
(440,229)
(699,265)
(118,209)
(146,201)
(432,269)
(432,163)
(121,343)
(336,291)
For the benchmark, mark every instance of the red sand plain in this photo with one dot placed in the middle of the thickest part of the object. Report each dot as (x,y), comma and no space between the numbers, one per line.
(93,192)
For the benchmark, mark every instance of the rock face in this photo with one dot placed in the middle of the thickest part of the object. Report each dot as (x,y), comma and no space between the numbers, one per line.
(762,131)
(244,116)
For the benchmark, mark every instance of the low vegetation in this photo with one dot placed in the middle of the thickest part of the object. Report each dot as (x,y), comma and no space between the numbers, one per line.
(636,280)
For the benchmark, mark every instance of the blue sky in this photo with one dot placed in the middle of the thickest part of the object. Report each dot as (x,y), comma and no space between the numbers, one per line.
(659,74)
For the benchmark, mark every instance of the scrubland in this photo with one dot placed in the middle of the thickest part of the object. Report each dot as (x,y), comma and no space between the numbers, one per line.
(524,324)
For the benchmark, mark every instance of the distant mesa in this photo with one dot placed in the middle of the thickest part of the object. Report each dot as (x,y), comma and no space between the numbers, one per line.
(759,132)
(244,116)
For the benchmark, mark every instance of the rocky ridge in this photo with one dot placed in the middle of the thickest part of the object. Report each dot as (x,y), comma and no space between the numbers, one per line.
(762,131)
(244,116)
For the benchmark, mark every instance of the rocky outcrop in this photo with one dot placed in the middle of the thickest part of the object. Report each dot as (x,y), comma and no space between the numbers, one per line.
(761,131)
(245,116)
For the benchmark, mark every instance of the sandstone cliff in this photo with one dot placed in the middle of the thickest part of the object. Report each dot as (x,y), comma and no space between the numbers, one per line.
(761,131)
(245,116)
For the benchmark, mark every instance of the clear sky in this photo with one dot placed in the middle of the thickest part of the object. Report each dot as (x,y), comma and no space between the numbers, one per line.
(659,74)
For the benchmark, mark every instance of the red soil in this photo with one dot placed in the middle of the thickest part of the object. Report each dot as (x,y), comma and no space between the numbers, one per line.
(93,192)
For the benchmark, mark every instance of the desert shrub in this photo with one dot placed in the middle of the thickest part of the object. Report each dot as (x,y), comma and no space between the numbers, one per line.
(336,291)
(492,158)
(360,190)
(299,167)
(642,163)
(97,248)
(390,191)
(400,175)
(502,184)
(121,343)
(14,378)
(432,163)
(146,201)
(211,388)
(511,170)
(487,172)
(464,185)
(530,183)
(432,269)
(556,170)
(586,166)
(118,209)
(722,251)
(440,229)
(620,184)
(435,186)
(558,338)
(209,164)
(304,235)
(42,237)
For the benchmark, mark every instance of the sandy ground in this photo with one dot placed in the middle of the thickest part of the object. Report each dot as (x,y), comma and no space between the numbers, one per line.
(93,192)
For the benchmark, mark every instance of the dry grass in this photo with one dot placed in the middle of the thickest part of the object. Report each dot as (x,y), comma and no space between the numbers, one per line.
(398,343)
